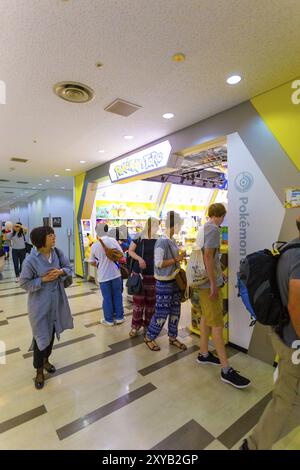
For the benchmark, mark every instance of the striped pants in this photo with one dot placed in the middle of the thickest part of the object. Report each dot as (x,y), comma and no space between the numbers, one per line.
(167,305)
(144,304)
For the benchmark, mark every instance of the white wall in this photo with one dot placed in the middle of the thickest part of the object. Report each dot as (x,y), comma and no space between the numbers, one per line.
(4,216)
(57,203)
(255,216)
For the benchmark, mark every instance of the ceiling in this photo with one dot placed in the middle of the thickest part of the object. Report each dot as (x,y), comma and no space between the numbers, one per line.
(48,41)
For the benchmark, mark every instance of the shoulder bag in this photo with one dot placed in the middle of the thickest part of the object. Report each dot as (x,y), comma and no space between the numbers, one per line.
(135,281)
(180,278)
(113,254)
(69,279)
(28,246)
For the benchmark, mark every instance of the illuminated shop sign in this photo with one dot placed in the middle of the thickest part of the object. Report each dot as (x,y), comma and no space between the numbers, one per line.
(146,161)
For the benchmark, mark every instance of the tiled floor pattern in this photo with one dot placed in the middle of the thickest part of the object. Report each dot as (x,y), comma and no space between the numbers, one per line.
(111,392)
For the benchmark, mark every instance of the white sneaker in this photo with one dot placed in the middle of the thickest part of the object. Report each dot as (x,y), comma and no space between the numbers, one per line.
(118,322)
(106,323)
(17,279)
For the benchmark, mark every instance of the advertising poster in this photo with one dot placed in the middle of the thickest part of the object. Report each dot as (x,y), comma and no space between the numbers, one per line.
(292,198)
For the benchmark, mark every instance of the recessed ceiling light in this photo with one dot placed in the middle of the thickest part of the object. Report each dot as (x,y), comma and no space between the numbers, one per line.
(82,161)
(68,169)
(100,151)
(178,57)
(234,79)
(33,188)
(40,184)
(168,115)
(62,187)
(47,181)
(56,176)
(128,137)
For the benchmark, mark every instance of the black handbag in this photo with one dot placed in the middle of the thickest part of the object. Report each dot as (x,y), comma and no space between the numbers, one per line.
(28,247)
(69,279)
(135,284)
(135,281)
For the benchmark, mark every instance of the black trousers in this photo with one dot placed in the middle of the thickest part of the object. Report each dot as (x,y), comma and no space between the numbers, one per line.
(18,258)
(40,356)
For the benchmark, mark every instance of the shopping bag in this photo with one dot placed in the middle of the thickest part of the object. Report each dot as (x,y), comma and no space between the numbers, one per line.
(195,271)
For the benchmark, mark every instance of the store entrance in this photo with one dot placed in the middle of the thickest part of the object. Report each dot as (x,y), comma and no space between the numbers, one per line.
(188,190)
(200,181)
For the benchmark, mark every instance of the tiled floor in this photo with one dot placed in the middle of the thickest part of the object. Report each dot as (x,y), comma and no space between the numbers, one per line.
(111,392)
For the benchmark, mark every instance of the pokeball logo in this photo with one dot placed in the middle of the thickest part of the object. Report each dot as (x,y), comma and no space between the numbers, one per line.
(244,182)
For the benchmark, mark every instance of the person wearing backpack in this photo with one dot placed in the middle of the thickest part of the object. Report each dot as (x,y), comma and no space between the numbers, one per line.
(282,414)
(211,301)
(109,276)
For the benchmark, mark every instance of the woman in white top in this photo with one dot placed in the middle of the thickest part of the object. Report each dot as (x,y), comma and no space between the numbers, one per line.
(17,238)
(109,278)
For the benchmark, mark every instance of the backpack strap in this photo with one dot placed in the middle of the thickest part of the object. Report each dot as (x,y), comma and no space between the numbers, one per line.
(289,247)
(277,247)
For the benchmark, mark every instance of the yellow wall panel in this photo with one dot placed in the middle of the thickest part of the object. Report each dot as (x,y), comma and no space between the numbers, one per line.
(282,117)
(78,185)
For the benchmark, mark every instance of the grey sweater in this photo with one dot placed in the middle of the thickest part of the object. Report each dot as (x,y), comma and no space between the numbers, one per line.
(164,249)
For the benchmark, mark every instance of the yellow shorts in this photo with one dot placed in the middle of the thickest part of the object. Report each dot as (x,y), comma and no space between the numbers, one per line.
(211,309)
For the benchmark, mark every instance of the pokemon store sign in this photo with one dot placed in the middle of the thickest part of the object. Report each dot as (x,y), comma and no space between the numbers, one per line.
(151,160)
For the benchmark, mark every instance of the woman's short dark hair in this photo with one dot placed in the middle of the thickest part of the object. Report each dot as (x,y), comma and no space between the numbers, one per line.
(39,234)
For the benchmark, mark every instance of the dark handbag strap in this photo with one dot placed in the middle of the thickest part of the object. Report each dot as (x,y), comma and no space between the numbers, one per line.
(143,249)
(58,255)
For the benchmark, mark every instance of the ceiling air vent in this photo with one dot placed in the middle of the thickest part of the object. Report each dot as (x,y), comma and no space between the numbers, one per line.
(73,92)
(20,160)
(4,181)
(122,108)
(22,182)
(8,192)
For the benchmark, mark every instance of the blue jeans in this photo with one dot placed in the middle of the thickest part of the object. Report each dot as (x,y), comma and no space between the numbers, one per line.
(112,299)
